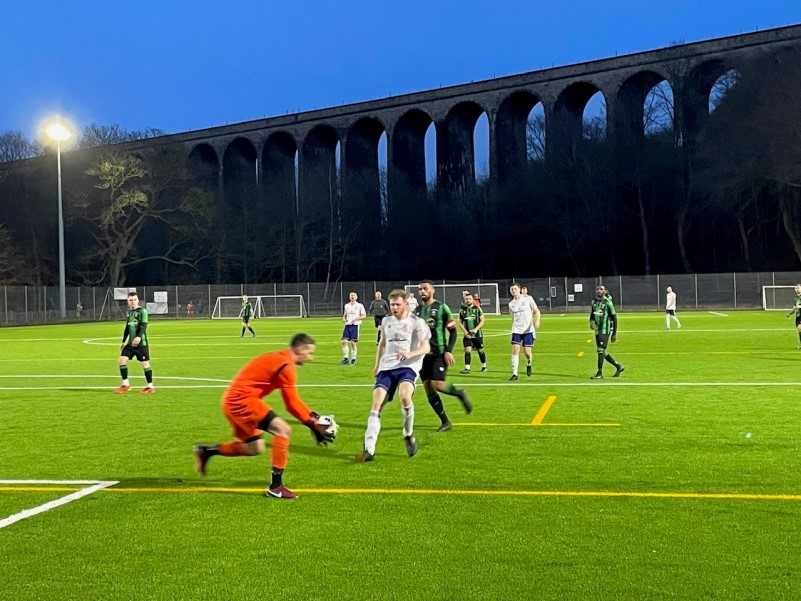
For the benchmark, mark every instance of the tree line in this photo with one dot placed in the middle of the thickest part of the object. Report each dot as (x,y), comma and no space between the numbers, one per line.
(725,198)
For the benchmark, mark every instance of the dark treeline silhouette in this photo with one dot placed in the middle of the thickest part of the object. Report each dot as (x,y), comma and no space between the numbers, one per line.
(686,192)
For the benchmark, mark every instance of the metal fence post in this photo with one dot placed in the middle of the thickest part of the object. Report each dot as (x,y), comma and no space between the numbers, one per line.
(696,291)
(621,290)
(658,288)
(735,289)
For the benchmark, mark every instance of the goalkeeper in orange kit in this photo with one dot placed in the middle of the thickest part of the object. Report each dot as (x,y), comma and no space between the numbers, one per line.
(250,416)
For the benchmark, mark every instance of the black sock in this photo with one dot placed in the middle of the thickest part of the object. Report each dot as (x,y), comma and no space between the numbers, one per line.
(149,375)
(251,330)
(277,479)
(467,359)
(124,371)
(212,450)
(799,336)
(482,356)
(612,361)
(436,405)
(600,362)
(243,332)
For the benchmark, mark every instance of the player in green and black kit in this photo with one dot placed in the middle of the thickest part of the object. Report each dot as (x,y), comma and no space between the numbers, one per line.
(797,311)
(603,319)
(134,344)
(246,313)
(439,318)
(471,319)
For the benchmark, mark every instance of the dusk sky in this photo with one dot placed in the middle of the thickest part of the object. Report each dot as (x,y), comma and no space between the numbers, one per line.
(178,65)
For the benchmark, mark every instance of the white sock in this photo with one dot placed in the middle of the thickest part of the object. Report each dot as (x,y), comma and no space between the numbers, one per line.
(373,429)
(408,420)
(125,382)
(344,351)
(678,323)
(353,354)
(667,321)
(515,363)
(150,385)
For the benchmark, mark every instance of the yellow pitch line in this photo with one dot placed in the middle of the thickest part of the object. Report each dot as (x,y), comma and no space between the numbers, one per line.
(543,410)
(488,493)
(589,340)
(581,354)
(581,424)
(529,425)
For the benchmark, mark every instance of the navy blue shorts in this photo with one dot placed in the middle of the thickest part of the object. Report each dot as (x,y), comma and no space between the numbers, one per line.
(351,333)
(390,379)
(523,339)
(670,311)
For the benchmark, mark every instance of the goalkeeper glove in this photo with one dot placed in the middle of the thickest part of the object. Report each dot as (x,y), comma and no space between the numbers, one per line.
(318,430)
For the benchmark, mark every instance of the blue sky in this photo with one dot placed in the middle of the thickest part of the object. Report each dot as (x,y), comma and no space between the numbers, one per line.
(179,65)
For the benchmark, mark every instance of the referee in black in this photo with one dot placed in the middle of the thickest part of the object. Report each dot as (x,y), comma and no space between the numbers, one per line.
(379,309)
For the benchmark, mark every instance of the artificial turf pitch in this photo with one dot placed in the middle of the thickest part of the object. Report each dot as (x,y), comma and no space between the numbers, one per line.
(680,480)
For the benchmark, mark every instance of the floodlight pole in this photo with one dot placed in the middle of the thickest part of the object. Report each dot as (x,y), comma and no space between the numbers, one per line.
(62,284)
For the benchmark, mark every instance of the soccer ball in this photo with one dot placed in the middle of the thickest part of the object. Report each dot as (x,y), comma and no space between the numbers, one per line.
(331,426)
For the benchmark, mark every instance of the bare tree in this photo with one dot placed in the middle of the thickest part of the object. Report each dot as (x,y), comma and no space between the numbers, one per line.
(94,135)
(14,146)
(128,198)
(14,266)
(535,138)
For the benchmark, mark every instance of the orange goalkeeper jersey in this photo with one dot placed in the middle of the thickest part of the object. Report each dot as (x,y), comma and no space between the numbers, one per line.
(263,375)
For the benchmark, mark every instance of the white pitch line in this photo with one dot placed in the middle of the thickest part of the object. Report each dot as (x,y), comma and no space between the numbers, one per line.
(605,383)
(80,376)
(716,313)
(94,486)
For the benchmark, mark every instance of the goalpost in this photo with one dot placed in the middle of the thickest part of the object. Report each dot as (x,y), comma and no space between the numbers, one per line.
(270,305)
(451,295)
(778,298)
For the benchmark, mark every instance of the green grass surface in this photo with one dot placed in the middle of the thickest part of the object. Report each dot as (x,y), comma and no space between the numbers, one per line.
(693,492)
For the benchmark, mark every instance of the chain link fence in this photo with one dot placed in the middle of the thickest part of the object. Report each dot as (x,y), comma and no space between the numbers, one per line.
(23,305)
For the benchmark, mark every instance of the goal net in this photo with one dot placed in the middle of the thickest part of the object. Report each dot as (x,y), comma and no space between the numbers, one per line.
(281,305)
(451,295)
(778,298)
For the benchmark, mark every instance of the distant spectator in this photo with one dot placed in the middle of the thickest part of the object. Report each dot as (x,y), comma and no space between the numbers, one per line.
(190,308)
(200,307)
(78,310)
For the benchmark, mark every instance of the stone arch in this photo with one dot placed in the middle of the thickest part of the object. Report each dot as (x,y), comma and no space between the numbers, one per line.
(242,209)
(696,88)
(567,125)
(318,167)
(278,172)
(511,133)
(362,186)
(632,116)
(456,163)
(204,165)
(407,166)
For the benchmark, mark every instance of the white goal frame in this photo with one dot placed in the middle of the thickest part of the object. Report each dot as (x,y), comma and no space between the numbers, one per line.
(769,298)
(261,304)
(472,287)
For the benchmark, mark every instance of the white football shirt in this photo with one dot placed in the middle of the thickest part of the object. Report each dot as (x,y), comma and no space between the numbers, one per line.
(522,320)
(671,301)
(402,335)
(412,300)
(354,313)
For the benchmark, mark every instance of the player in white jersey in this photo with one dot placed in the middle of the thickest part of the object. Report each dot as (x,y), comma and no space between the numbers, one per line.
(412,300)
(404,343)
(352,316)
(525,320)
(670,309)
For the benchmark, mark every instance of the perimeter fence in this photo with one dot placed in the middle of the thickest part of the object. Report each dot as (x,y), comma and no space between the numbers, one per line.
(22,305)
